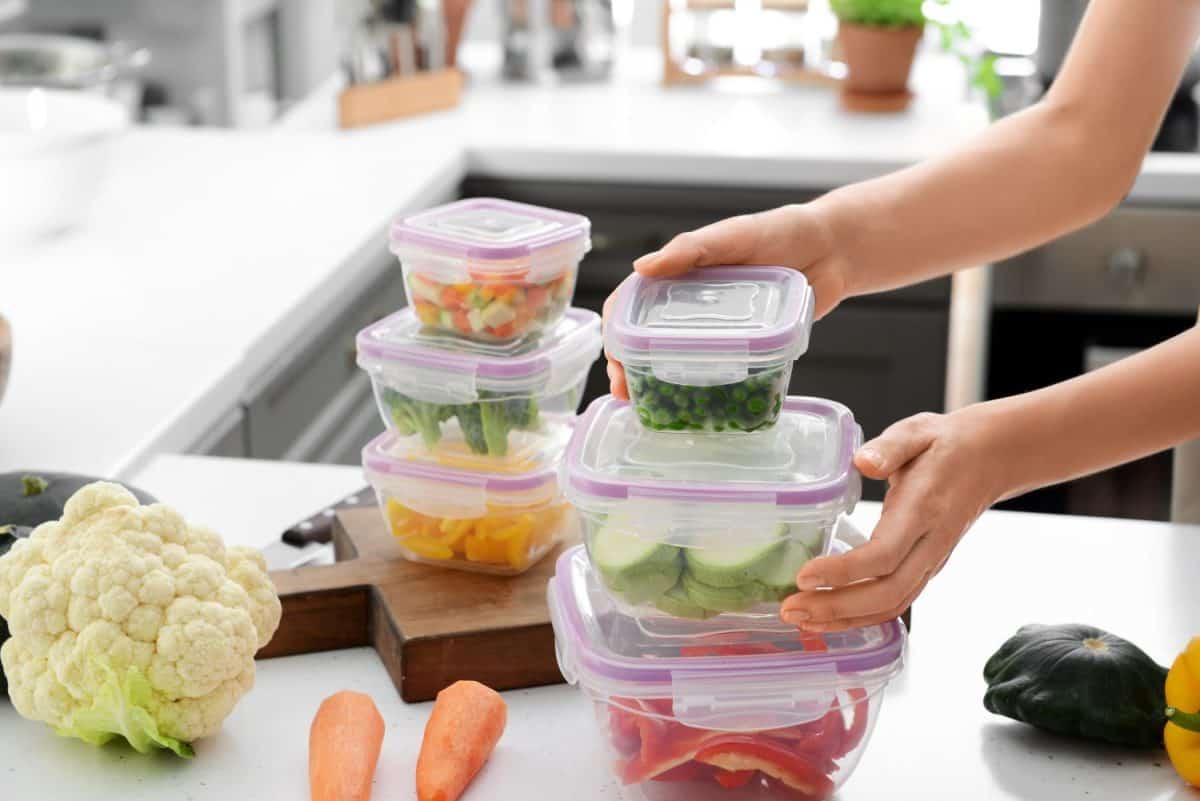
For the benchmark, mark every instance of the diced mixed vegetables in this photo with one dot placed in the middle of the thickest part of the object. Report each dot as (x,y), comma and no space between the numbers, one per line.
(800,762)
(485,424)
(505,540)
(702,582)
(490,311)
(748,405)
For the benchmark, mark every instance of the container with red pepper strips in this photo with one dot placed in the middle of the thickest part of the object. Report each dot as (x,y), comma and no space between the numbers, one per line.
(765,713)
(490,270)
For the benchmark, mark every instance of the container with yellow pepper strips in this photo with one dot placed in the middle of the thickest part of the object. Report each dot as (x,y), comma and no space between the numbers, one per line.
(1181,735)
(499,521)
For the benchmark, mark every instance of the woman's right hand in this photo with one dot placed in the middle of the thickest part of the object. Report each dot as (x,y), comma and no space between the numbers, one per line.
(790,236)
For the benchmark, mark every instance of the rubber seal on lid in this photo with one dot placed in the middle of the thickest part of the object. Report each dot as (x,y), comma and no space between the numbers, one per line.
(739,312)
(804,460)
(488,229)
(451,369)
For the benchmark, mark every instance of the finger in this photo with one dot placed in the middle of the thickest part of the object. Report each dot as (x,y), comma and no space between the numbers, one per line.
(894,537)
(898,445)
(731,241)
(616,381)
(868,598)
(867,620)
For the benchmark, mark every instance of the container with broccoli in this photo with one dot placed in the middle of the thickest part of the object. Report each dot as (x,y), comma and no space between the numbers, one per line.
(713,351)
(479,405)
(704,526)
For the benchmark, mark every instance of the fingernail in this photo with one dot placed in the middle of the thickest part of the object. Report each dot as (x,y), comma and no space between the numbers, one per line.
(809,583)
(795,616)
(871,455)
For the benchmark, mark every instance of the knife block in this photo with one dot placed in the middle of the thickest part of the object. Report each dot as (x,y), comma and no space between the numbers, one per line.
(399,96)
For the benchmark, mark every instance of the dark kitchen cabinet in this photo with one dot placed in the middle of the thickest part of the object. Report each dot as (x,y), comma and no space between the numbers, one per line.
(883,356)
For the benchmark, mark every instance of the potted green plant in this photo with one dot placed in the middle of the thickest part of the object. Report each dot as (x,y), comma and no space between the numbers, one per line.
(878,41)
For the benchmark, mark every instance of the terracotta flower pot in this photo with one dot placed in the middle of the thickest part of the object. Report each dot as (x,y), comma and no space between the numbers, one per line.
(878,62)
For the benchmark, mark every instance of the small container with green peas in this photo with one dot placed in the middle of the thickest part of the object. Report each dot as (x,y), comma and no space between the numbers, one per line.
(711,351)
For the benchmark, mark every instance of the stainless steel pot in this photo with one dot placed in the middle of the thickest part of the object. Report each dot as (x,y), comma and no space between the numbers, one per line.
(69,62)
(1056,29)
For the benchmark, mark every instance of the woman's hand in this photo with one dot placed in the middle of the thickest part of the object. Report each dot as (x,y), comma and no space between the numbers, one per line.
(790,236)
(942,474)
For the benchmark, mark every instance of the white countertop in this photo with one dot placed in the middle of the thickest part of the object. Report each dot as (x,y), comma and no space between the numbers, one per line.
(933,741)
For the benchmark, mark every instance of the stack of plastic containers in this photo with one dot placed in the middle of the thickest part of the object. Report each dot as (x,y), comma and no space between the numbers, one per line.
(701,498)
(479,380)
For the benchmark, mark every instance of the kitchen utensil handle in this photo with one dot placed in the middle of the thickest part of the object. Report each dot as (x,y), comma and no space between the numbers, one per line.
(319,527)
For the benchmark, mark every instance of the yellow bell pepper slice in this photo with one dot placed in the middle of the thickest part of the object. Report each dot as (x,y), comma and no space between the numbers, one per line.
(1182,733)
(427,547)
(481,549)
(516,550)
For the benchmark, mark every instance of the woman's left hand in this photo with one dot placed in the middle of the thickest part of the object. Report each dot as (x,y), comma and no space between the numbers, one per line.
(941,475)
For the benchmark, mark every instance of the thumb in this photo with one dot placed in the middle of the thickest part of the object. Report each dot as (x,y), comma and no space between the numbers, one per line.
(898,445)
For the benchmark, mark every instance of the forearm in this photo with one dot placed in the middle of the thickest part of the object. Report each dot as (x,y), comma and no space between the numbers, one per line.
(1138,406)
(1031,177)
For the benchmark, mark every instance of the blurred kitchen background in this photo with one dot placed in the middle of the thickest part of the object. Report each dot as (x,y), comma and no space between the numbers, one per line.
(1062,309)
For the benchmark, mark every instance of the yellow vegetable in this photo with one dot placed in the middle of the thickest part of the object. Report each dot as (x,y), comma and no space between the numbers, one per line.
(505,537)
(1182,733)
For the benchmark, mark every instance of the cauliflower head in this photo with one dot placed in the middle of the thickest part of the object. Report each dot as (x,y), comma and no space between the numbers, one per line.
(127,621)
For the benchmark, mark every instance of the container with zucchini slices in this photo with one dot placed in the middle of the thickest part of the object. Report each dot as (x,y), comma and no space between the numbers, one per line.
(713,350)
(709,525)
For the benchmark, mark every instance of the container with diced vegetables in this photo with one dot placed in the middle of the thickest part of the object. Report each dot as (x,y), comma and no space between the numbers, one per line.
(760,713)
(490,270)
(709,525)
(475,405)
(711,351)
(488,522)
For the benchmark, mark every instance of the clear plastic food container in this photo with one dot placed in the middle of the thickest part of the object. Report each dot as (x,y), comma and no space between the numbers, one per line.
(712,351)
(711,524)
(490,270)
(481,406)
(768,713)
(466,519)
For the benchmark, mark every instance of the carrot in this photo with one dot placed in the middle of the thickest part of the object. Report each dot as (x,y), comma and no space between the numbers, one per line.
(467,721)
(343,748)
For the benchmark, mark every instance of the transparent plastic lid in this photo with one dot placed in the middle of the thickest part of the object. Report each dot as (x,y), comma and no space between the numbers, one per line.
(400,467)
(717,678)
(750,314)
(441,367)
(489,229)
(800,469)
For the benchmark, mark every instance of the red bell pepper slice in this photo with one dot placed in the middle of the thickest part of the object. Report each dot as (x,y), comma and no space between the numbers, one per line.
(743,752)
(821,739)
(858,727)
(733,779)
(687,772)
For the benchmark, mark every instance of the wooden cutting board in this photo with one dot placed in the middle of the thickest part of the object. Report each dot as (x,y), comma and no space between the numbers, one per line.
(431,626)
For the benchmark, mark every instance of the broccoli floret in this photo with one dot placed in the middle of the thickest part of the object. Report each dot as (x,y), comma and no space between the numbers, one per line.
(413,416)
(522,413)
(496,426)
(470,420)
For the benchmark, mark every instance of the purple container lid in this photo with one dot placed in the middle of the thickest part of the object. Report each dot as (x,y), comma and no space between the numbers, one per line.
(489,229)
(791,323)
(858,651)
(377,459)
(398,339)
(841,483)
